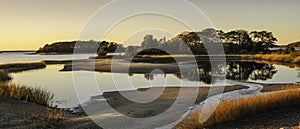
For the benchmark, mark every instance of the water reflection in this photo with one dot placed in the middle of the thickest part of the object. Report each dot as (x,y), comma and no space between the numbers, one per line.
(249,70)
(63,86)
(235,70)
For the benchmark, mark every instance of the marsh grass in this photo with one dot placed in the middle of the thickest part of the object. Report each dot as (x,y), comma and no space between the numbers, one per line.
(229,110)
(48,118)
(16,67)
(4,76)
(297,60)
(279,87)
(275,57)
(54,116)
(28,94)
(284,58)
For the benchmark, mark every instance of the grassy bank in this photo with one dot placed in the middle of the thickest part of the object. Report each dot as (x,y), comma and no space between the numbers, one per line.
(4,76)
(18,67)
(19,92)
(283,58)
(230,110)
(278,87)
(50,62)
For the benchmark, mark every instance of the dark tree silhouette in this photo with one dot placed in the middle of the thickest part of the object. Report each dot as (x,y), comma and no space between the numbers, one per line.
(234,71)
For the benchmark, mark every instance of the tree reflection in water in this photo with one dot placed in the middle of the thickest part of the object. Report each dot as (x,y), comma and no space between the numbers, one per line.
(235,70)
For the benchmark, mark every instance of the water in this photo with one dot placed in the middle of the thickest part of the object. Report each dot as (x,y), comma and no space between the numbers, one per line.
(69,93)
(10,57)
(91,83)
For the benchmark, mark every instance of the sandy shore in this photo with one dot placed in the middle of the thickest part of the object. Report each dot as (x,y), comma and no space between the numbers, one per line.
(18,114)
(23,115)
(114,112)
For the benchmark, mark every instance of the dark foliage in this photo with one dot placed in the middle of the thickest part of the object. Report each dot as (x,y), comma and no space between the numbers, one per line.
(79,47)
(233,42)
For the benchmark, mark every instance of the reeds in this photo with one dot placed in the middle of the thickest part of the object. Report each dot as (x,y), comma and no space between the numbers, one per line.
(28,94)
(233,109)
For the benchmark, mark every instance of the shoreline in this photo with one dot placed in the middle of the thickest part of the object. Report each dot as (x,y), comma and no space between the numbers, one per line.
(113,98)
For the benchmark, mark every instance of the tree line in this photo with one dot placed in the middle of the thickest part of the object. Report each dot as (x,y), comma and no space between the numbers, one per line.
(80,47)
(233,42)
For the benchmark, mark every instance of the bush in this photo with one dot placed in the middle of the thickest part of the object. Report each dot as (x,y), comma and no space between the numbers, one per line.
(102,52)
(4,76)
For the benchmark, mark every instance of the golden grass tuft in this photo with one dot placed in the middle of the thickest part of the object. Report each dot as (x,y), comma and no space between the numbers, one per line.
(297,60)
(19,92)
(54,115)
(232,109)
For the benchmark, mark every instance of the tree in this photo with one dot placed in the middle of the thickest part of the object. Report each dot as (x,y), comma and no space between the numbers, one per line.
(241,38)
(149,42)
(190,38)
(265,38)
(193,41)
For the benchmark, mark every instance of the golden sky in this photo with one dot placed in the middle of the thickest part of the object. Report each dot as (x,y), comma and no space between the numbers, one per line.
(28,25)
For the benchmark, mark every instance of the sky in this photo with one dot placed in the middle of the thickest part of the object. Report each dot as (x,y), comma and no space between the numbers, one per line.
(30,24)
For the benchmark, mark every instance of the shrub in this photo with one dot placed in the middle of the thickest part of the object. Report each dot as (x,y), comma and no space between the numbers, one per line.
(4,76)
(102,52)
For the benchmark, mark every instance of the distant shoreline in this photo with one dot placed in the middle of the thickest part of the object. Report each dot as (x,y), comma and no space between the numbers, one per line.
(17,51)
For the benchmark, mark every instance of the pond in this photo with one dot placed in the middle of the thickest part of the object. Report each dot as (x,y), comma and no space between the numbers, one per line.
(10,57)
(69,93)
(94,83)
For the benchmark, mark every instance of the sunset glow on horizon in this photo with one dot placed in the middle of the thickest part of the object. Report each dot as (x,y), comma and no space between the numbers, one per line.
(30,24)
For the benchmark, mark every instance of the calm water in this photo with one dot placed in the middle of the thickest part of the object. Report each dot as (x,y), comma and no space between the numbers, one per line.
(9,57)
(69,93)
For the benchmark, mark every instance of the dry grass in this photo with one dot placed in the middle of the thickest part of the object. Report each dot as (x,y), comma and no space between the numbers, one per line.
(274,57)
(232,109)
(19,92)
(284,58)
(48,118)
(16,67)
(279,87)
(54,116)
(4,76)
(297,60)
